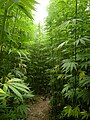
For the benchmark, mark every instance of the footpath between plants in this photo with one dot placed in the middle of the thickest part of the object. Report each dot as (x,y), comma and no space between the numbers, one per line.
(40,109)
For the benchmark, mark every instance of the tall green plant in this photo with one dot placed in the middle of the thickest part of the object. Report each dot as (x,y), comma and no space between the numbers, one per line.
(61,27)
(14,51)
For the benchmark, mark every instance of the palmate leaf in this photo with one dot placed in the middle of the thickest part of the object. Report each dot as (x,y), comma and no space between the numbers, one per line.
(23,109)
(25,11)
(26,6)
(24,54)
(64,24)
(20,88)
(14,80)
(85,115)
(1,91)
(69,65)
(67,91)
(83,41)
(3,94)
(8,115)
(83,56)
(61,76)
(21,85)
(66,88)
(85,81)
(76,112)
(17,87)
(18,73)
(5,87)
(9,3)
(69,94)
(67,111)
(80,41)
(85,64)
(84,95)
(16,92)
(62,44)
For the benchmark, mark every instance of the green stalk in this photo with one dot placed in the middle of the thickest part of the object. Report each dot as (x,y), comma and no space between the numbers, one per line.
(2,35)
(74,98)
(16,18)
(3,27)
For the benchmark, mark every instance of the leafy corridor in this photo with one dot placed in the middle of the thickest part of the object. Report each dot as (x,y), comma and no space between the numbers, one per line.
(52,61)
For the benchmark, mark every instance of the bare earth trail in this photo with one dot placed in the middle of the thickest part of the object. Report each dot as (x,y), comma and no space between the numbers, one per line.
(40,109)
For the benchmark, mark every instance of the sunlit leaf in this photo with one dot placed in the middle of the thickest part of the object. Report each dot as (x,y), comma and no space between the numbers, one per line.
(1,91)
(16,92)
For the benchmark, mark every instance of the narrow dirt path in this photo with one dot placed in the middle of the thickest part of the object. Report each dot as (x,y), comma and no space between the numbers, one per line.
(40,109)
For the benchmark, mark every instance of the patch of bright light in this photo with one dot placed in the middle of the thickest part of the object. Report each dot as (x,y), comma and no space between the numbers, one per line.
(41,12)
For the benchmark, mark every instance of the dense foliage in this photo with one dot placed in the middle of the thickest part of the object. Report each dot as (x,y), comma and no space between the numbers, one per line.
(53,60)
(16,31)
(68,28)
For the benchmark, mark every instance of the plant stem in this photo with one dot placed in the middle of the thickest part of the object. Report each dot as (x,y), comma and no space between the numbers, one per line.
(3,27)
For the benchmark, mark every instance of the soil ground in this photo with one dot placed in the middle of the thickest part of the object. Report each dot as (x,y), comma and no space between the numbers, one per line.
(40,109)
